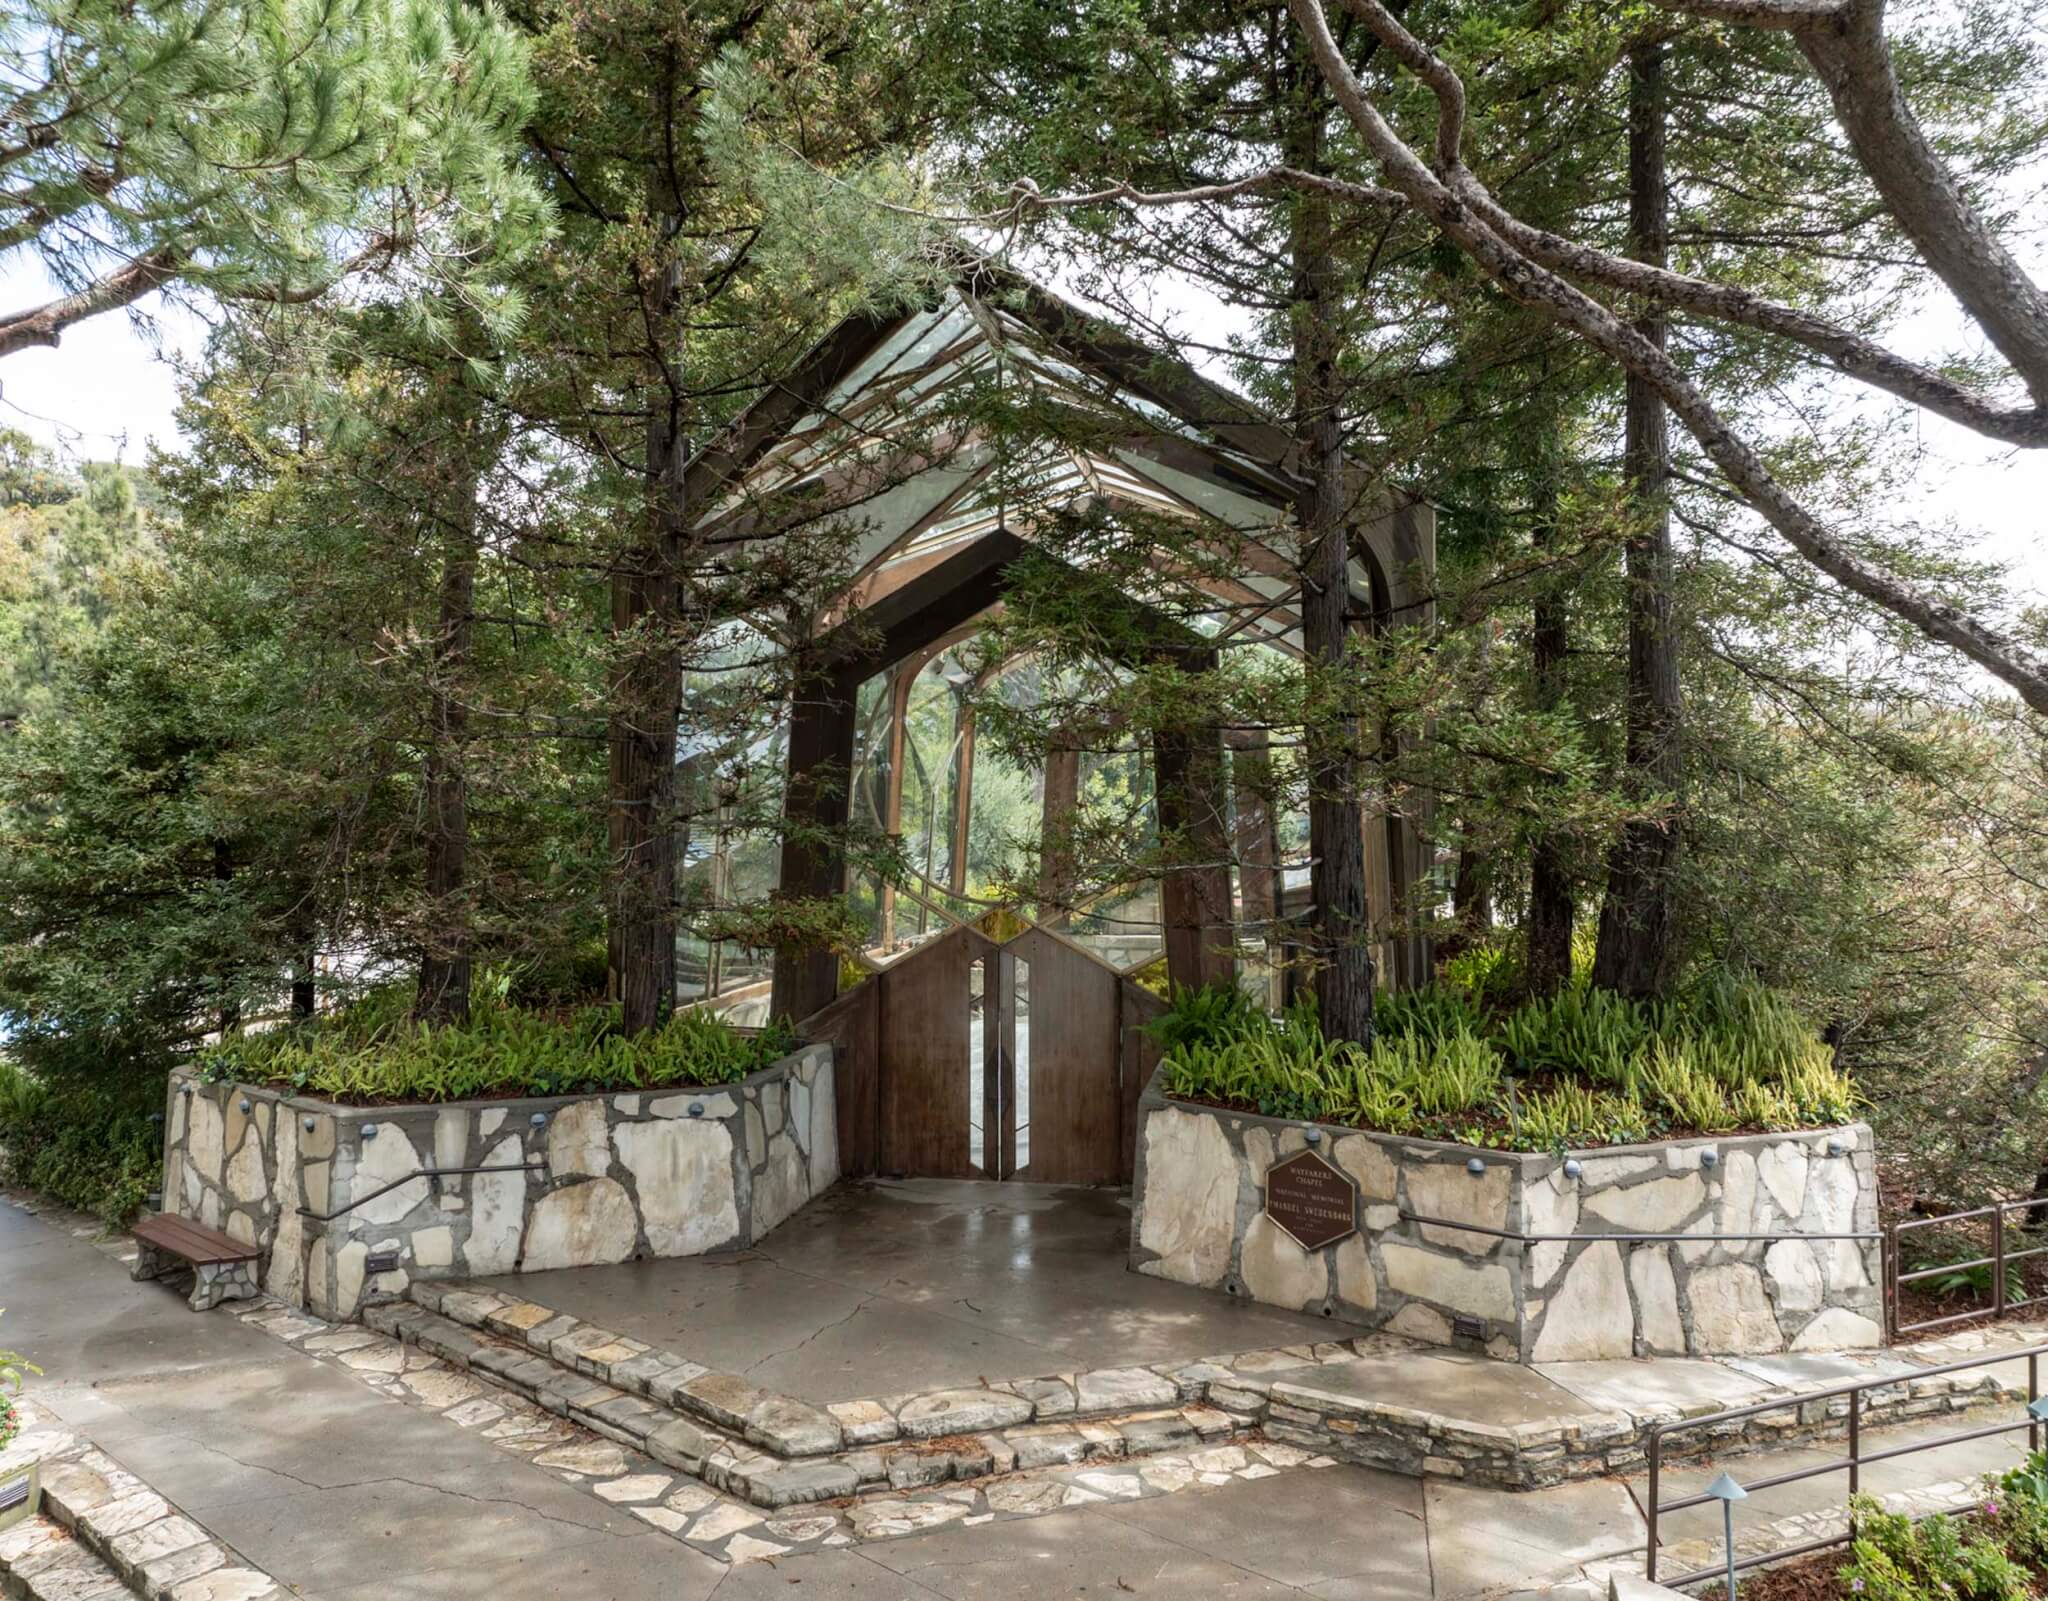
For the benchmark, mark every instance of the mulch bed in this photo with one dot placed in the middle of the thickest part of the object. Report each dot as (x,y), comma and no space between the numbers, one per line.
(1811,1578)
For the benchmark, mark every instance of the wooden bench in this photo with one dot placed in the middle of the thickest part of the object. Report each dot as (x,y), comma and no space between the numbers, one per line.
(223,1268)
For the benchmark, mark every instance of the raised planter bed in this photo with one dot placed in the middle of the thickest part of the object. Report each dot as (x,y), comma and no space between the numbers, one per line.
(1199,1218)
(577,1180)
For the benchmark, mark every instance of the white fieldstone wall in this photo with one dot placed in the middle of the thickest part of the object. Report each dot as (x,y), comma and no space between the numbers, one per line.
(670,1172)
(1198,1218)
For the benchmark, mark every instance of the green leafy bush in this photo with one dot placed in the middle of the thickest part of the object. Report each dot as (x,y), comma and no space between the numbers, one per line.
(1936,1559)
(92,1143)
(373,1053)
(1584,1067)
(12,1366)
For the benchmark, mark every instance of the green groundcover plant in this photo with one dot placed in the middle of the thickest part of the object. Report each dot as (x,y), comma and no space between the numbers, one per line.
(1585,1067)
(1994,1551)
(13,1365)
(372,1052)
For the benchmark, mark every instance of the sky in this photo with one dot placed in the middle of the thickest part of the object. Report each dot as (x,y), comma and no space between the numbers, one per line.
(111,388)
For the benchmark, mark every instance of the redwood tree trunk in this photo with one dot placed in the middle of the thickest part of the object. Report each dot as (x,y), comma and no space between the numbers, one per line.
(1636,920)
(445,961)
(1341,934)
(1056,865)
(646,687)
(1547,964)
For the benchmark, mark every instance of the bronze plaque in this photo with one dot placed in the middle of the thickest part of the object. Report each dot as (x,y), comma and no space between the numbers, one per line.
(1311,1200)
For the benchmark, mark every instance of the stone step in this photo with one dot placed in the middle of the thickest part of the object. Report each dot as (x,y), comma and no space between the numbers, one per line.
(728,1456)
(789,1427)
(41,1561)
(103,1534)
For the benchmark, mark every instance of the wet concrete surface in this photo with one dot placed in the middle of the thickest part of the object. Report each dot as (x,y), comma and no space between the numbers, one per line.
(884,1287)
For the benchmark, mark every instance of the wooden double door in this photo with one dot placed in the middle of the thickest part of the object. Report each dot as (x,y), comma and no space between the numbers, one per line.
(977,1058)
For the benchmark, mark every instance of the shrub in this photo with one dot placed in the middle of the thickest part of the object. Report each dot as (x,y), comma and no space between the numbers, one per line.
(1896,1559)
(1583,1067)
(12,1366)
(92,1143)
(372,1052)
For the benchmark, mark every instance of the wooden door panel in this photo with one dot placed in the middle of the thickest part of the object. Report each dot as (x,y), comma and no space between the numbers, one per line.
(923,1115)
(1076,1116)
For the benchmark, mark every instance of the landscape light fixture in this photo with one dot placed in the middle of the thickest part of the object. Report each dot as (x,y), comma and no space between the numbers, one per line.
(1728,1492)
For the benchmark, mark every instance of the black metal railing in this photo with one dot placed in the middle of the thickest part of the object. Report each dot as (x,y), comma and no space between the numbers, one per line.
(420,1173)
(1852,1464)
(1627,1238)
(1999,1261)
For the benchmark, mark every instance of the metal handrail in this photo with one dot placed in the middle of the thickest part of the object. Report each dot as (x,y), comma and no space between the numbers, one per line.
(421,1173)
(1633,1239)
(1998,1261)
(1852,1463)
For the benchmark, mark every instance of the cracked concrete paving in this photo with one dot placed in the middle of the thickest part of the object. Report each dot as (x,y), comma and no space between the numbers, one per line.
(346,1494)
(340,1492)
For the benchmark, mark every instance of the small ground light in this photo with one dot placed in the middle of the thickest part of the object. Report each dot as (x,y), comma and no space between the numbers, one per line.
(1574,1168)
(1728,1492)
(1476,1166)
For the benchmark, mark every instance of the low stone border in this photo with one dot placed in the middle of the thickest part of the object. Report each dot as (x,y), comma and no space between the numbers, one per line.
(949,1439)
(783,1425)
(101,1525)
(731,1530)
(527,1344)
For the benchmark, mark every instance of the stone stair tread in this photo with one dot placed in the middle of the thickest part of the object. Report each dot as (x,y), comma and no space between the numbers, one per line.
(101,1534)
(971,1445)
(40,1560)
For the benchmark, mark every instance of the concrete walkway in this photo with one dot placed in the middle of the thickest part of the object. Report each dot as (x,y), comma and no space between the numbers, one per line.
(345,1493)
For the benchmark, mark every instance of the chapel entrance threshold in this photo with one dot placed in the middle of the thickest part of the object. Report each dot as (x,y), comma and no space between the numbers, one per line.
(883,1287)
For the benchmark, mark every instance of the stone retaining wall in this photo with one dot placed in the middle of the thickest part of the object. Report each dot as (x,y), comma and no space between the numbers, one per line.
(1199,1218)
(669,1172)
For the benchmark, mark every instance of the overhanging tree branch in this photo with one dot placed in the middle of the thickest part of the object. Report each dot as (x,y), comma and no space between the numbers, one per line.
(1437,195)
(45,324)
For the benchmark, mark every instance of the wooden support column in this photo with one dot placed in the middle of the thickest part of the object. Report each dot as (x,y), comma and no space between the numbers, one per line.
(904,677)
(1195,899)
(819,797)
(1056,875)
(963,807)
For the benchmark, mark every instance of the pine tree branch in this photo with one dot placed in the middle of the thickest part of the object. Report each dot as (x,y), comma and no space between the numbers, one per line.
(45,324)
